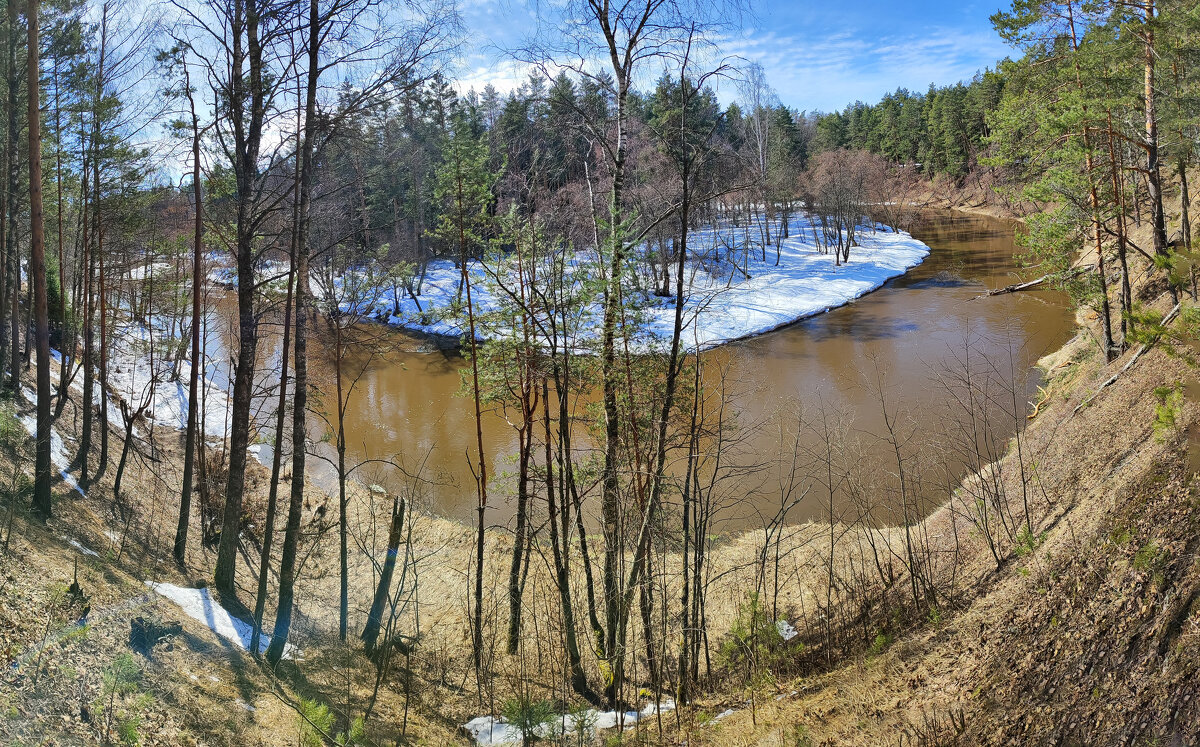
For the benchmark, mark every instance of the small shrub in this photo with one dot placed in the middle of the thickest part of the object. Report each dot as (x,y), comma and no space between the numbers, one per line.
(129,729)
(529,716)
(753,640)
(12,433)
(880,644)
(797,736)
(315,722)
(1166,412)
(1027,542)
(122,676)
(356,735)
(935,616)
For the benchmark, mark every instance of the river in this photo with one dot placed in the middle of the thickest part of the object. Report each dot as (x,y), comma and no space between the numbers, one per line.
(407,414)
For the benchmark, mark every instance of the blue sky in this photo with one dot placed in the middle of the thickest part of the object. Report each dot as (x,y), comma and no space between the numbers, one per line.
(818,55)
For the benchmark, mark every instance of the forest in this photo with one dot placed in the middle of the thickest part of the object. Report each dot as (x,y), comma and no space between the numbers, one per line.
(220,220)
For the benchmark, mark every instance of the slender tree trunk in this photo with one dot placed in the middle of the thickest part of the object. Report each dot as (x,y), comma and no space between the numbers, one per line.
(37,261)
(610,485)
(102,313)
(264,566)
(89,361)
(1185,219)
(249,138)
(189,446)
(291,537)
(370,634)
(343,503)
(481,477)
(66,337)
(1089,158)
(7,169)
(12,261)
(1153,177)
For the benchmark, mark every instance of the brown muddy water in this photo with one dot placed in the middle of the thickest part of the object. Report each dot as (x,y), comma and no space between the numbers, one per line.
(407,415)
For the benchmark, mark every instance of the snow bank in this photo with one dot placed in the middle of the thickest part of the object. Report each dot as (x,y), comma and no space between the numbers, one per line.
(493,731)
(722,303)
(141,377)
(199,605)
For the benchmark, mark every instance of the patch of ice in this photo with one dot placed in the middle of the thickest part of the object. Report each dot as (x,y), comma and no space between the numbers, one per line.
(488,731)
(199,605)
(724,714)
(81,547)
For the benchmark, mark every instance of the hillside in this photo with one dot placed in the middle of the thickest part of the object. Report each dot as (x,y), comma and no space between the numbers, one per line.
(1086,635)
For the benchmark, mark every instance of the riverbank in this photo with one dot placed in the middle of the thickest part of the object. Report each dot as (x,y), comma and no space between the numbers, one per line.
(741,281)
(1010,651)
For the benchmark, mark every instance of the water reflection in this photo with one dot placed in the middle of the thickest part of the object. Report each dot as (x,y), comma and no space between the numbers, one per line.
(408,408)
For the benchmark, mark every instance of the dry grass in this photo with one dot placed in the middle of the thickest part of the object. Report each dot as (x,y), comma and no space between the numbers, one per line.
(955,678)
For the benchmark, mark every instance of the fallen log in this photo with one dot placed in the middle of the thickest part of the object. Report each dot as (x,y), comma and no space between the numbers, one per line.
(1128,364)
(1015,287)
(1027,284)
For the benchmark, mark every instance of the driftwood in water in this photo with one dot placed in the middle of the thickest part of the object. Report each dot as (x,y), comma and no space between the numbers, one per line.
(1028,284)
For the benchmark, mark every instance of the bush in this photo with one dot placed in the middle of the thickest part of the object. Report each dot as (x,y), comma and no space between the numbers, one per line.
(528,716)
(315,722)
(754,641)
(1166,412)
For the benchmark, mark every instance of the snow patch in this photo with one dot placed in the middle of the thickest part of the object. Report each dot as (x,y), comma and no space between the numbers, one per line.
(141,372)
(723,302)
(493,731)
(199,605)
(58,451)
(786,631)
(80,546)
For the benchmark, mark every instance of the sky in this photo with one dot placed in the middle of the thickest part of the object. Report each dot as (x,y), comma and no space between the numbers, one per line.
(818,55)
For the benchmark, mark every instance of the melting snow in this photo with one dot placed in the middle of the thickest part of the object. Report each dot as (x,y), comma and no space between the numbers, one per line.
(492,731)
(58,451)
(786,631)
(721,303)
(199,605)
(81,547)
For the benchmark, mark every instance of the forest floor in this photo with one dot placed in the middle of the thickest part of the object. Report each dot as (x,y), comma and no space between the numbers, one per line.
(1088,636)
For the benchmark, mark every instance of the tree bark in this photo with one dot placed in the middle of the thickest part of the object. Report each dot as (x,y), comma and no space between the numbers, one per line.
(189,447)
(370,634)
(37,261)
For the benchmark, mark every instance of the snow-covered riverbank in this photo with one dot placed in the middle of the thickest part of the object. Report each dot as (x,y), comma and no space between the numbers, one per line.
(724,302)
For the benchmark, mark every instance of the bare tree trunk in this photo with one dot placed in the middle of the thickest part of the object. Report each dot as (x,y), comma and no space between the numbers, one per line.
(343,503)
(1105,310)
(37,270)
(189,446)
(264,567)
(1153,177)
(249,89)
(291,537)
(8,327)
(370,634)
(8,174)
